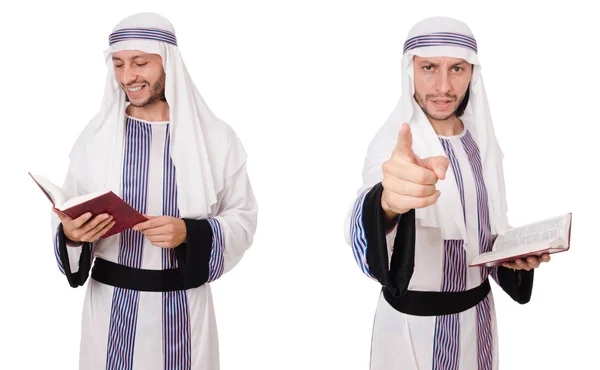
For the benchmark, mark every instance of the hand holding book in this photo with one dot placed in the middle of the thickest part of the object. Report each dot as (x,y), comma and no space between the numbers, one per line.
(85,228)
(526,246)
(87,214)
(529,263)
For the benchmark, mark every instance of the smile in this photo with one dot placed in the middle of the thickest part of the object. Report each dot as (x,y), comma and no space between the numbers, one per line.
(135,89)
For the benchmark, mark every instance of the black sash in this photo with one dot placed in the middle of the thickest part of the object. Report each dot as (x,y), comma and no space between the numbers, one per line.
(121,276)
(437,303)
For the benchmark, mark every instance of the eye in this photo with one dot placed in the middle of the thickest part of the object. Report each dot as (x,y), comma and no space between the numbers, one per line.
(458,69)
(428,68)
(141,64)
(118,65)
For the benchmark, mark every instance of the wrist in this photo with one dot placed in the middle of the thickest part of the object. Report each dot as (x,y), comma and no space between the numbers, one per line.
(388,212)
(390,217)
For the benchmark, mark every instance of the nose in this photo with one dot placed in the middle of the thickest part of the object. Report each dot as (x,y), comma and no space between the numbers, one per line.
(443,84)
(128,76)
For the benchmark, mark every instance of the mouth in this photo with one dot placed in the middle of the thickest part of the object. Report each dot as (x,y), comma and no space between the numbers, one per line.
(135,90)
(442,103)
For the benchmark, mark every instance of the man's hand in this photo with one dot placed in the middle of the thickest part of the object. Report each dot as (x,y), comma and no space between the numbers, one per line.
(408,181)
(528,264)
(84,229)
(163,231)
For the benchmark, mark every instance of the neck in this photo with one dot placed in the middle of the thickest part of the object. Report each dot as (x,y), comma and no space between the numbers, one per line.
(449,127)
(155,112)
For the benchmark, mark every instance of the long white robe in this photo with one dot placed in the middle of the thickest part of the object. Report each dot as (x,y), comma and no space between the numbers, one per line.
(467,340)
(126,329)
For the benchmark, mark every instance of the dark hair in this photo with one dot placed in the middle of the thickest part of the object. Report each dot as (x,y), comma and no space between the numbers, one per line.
(463,104)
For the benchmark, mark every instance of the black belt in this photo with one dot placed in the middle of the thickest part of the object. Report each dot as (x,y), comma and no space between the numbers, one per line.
(121,276)
(437,303)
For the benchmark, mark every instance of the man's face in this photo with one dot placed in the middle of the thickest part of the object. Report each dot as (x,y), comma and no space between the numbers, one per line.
(140,75)
(440,85)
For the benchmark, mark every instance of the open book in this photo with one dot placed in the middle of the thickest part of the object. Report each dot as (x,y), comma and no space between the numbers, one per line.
(96,203)
(549,236)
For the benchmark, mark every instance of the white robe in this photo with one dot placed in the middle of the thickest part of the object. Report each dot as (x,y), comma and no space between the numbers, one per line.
(467,340)
(125,329)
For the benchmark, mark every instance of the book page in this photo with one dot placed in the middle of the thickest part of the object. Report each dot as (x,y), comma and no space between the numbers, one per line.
(53,192)
(81,199)
(543,232)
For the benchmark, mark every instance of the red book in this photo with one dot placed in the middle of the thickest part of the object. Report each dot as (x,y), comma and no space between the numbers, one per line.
(552,235)
(96,203)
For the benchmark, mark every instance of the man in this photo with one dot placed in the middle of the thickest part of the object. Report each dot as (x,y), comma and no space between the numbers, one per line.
(155,143)
(432,199)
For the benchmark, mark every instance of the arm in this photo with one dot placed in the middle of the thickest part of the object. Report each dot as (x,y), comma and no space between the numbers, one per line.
(518,284)
(74,259)
(372,242)
(215,245)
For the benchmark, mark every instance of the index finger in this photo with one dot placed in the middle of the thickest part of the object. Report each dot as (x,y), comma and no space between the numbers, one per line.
(405,142)
(151,223)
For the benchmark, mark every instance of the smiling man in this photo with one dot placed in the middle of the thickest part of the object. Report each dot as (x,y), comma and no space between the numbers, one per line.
(155,143)
(432,199)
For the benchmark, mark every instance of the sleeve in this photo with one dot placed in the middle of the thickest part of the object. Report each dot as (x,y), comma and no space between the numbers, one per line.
(518,284)
(385,257)
(74,259)
(216,245)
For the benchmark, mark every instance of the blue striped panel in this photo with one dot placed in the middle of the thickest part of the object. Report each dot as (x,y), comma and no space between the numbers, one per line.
(359,238)
(121,333)
(169,206)
(446,347)
(441,39)
(57,254)
(176,331)
(124,310)
(176,321)
(142,34)
(485,339)
(216,262)
(484,329)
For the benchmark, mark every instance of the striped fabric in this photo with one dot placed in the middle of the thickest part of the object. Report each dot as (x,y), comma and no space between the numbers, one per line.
(169,206)
(446,350)
(441,39)
(359,239)
(484,327)
(57,254)
(142,34)
(176,319)
(124,310)
(216,263)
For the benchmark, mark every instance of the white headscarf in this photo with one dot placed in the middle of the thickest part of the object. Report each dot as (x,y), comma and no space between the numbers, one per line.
(443,37)
(204,149)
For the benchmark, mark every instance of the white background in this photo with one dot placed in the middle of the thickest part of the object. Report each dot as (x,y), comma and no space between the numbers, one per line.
(306,84)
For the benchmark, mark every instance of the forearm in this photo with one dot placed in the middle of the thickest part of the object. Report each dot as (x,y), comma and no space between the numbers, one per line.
(384,254)
(518,284)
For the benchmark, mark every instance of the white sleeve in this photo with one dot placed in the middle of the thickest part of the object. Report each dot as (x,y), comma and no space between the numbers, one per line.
(234,225)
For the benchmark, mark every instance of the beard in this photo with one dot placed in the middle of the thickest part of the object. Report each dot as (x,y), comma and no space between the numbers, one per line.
(440,116)
(156,91)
